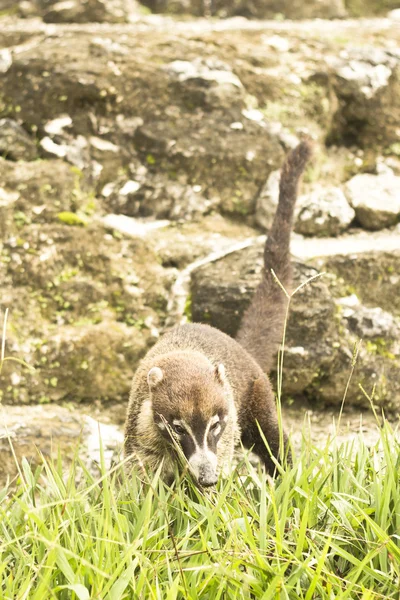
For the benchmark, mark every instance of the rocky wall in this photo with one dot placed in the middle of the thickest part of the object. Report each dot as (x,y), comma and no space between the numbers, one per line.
(138,155)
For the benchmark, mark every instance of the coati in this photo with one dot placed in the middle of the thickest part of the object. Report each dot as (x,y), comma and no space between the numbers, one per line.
(201,391)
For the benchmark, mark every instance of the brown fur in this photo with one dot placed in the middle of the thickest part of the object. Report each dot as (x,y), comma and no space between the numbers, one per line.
(193,388)
(261,327)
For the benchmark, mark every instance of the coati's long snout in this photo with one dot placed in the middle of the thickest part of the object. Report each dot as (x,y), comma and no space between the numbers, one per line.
(202,391)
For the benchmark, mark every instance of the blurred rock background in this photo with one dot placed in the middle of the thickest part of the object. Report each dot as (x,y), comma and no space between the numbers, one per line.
(141,143)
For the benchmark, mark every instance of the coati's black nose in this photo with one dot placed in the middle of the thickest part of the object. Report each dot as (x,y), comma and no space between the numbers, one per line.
(208,479)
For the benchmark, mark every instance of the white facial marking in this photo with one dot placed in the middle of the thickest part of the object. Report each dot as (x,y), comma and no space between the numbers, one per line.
(203,461)
(213,420)
(214,425)
(161,425)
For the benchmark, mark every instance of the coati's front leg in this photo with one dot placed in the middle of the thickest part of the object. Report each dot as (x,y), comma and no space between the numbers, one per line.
(260,414)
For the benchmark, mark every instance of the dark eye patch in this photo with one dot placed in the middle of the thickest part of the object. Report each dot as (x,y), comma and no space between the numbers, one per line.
(179,429)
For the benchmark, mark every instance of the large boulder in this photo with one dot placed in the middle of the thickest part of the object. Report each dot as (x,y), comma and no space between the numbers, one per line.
(375,199)
(366,82)
(324,213)
(221,291)
(373,275)
(324,327)
(84,307)
(229,164)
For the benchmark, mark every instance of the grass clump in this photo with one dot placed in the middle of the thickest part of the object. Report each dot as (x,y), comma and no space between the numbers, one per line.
(327,528)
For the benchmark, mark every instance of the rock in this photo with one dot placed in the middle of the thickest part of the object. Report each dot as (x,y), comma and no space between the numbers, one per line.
(221,291)
(267,201)
(53,429)
(57,126)
(76,151)
(366,82)
(5,60)
(375,199)
(259,9)
(363,8)
(84,309)
(373,372)
(325,212)
(37,191)
(132,227)
(15,143)
(207,83)
(221,162)
(370,323)
(182,244)
(373,275)
(394,14)
(312,332)
(292,10)
(87,11)
(163,200)
(108,156)
(89,362)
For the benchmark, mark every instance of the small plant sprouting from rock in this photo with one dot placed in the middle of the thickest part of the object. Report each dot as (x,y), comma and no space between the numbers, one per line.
(3,357)
(72,219)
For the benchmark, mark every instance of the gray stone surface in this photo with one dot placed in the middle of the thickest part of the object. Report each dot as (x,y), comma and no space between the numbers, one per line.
(366,82)
(259,9)
(375,199)
(324,213)
(370,323)
(207,82)
(53,429)
(87,11)
(267,201)
(15,143)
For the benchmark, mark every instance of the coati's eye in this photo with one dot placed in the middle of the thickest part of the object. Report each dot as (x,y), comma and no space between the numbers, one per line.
(179,429)
(215,428)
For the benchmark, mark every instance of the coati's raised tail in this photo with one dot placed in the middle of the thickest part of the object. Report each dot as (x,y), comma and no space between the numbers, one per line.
(262,325)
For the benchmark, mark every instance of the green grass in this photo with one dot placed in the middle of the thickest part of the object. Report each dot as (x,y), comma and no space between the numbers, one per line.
(327,528)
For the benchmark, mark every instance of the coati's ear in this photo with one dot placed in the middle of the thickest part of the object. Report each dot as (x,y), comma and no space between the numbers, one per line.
(220,374)
(154,377)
